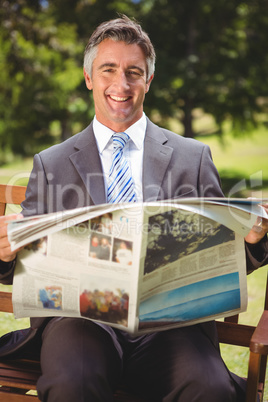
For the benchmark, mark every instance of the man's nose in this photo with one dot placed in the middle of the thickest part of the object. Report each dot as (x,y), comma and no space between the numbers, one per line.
(122,81)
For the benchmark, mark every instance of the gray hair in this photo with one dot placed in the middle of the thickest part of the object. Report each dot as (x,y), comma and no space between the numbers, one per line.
(120,29)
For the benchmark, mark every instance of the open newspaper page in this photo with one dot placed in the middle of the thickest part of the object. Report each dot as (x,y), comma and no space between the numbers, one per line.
(88,270)
(192,270)
(138,267)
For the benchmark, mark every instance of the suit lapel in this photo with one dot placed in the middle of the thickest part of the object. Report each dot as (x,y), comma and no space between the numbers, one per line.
(86,161)
(156,159)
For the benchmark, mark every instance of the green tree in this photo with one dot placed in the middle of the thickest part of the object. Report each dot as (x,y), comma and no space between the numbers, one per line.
(40,76)
(210,56)
(43,97)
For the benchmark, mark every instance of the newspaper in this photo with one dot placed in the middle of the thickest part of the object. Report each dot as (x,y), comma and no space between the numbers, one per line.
(139,267)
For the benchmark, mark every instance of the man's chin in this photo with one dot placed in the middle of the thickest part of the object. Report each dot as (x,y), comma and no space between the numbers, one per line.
(124,118)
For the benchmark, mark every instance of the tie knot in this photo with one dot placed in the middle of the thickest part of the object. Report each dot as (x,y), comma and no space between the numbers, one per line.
(120,140)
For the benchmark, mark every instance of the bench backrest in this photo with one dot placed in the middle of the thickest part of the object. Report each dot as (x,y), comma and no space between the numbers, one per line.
(13,195)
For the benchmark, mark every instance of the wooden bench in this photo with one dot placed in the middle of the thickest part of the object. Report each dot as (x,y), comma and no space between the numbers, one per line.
(18,378)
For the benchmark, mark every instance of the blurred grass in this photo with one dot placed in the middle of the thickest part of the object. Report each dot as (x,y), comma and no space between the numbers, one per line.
(16,173)
(241,160)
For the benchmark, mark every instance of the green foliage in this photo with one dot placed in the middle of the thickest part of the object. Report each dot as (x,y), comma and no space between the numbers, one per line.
(41,74)
(211,56)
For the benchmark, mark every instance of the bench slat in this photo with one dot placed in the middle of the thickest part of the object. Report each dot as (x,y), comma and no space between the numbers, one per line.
(12,194)
(6,302)
(7,396)
(20,373)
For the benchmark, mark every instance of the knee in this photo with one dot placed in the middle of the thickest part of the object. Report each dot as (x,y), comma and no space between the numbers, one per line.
(218,389)
(58,388)
(201,389)
(69,388)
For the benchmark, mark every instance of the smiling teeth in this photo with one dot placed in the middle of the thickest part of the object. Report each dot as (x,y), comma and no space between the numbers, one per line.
(118,99)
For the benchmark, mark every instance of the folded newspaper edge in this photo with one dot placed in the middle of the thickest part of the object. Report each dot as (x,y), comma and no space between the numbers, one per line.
(26,230)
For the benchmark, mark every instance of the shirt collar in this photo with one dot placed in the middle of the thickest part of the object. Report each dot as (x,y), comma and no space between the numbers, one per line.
(136,133)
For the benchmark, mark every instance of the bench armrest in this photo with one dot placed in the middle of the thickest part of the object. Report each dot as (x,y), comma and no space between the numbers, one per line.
(259,340)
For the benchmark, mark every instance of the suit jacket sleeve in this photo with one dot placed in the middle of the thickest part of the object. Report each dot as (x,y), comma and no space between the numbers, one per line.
(36,197)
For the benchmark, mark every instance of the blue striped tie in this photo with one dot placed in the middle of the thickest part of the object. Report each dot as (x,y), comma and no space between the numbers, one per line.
(120,182)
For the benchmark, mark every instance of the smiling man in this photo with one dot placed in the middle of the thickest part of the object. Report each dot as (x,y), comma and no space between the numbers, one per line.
(83,360)
(119,82)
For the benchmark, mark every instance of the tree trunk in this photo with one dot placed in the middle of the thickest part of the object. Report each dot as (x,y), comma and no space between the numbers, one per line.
(66,131)
(188,100)
(188,118)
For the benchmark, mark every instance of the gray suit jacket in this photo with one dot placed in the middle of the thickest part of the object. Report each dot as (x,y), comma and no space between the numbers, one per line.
(69,175)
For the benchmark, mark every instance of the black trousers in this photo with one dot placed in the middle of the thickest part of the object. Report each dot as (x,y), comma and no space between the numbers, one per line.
(80,362)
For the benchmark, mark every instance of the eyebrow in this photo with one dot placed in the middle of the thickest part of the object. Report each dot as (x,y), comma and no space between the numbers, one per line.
(113,65)
(137,68)
(106,65)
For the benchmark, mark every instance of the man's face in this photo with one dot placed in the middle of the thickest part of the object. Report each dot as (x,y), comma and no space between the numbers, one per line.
(118,81)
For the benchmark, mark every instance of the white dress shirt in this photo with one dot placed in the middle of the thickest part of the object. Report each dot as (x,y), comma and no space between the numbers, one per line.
(133,150)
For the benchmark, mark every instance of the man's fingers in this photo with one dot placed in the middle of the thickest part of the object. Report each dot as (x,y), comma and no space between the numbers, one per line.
(4,220)
(6,254)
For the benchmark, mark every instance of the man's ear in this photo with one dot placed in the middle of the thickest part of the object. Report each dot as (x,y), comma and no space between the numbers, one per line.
(88,80)
(149,83)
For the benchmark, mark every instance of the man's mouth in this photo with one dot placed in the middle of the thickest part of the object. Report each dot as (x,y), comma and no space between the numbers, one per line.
(119,98)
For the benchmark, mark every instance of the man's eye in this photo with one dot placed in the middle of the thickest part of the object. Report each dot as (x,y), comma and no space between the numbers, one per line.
(134,73)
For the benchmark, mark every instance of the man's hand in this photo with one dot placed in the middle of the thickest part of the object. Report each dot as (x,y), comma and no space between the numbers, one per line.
(6,254)
(259,229)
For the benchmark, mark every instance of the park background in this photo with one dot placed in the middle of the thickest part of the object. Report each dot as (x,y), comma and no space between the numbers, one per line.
(210,84)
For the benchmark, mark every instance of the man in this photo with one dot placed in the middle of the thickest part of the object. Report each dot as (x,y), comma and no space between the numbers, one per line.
(82,360)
